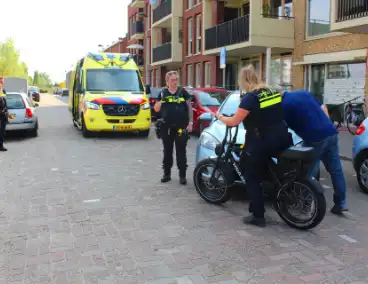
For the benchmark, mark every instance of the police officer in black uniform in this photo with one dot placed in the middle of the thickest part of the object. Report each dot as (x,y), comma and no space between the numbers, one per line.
(177,115)
(3,115)
(261,112)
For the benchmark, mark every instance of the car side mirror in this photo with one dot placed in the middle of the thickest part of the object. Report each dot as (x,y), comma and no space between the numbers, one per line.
(148,89)
(36,104)
(207,116)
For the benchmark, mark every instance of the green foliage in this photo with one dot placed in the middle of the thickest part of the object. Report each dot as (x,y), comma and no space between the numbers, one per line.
(11,67)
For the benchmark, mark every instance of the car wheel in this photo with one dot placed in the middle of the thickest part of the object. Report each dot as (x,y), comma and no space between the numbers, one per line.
(86,133)
(362,171)
(144,133)
(34,131)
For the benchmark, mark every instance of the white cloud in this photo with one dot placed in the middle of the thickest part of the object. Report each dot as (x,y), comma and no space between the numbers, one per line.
(52,35)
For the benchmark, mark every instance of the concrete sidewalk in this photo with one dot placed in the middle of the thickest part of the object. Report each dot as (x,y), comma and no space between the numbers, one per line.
(345,144)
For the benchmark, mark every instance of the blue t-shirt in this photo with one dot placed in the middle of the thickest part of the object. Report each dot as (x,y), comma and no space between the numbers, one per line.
(304,115)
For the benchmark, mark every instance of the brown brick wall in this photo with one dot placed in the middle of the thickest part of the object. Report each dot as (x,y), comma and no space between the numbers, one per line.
(322,45)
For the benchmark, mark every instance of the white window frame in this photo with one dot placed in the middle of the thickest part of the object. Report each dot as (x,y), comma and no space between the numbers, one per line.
(190,4)
(190,37)
(207,74)
(190,75)
(198,75)
(282,58)
(198,33)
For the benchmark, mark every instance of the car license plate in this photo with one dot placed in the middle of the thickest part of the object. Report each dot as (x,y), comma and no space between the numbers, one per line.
(11,116)
(121,127)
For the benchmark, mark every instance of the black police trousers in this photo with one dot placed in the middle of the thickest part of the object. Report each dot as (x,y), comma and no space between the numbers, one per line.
(3,122)
(254,163)
(170,136)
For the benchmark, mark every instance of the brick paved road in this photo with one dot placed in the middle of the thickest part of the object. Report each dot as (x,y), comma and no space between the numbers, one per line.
(92,211)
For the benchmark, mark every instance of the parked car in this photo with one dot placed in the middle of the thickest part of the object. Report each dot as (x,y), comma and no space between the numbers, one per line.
(203,102)
(65,93)
(214,134)
(34,93)
(22,114)
(152,96)
(360,155)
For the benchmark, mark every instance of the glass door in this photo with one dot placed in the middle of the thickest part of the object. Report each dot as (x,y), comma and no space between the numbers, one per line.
(317,82)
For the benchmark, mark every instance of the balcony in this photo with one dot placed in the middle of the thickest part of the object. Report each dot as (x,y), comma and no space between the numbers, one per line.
(349,16)
(231,32)
(137,30)
(161,52)
(137,4)
(161,11)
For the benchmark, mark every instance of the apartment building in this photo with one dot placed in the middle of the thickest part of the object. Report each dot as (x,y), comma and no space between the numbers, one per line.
(330,53)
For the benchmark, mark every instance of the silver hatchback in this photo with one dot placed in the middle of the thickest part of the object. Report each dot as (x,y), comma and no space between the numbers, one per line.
(22,114)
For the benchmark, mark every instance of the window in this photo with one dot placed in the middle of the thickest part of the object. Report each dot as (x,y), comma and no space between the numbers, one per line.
(209,100)
(189,75)
(281,71)
(190,37)
(317,82)
(198,34)
(207,74)
(318,17)
(346,71)
(190,3)
(157,76)
(255,62)
(113,80)
(148,19)
(15,101)
(198,75)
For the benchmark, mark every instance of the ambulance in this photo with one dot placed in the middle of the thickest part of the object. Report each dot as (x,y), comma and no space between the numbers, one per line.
(106,94)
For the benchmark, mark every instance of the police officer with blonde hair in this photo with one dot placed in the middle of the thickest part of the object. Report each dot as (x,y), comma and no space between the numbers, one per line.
(175,106)
(261,112)
(3,114)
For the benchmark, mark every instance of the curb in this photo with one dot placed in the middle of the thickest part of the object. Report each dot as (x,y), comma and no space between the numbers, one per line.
(345,158)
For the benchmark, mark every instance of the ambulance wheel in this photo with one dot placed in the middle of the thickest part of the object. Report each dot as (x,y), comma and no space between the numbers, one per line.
(86,133)
(144,133)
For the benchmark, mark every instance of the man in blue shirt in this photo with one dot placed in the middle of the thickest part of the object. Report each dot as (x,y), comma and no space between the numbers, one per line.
(309,119)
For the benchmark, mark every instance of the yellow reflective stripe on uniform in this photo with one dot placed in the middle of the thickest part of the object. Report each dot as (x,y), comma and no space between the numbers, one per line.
(270,102)
(267,99)
(170,99)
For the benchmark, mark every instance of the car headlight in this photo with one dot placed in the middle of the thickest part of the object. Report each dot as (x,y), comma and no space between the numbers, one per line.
(90,105)
(146,106)
(208,141)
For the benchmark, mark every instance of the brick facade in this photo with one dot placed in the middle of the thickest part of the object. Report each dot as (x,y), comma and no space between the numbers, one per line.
(325,44)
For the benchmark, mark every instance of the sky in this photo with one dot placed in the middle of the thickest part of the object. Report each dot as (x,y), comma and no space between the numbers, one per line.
(51,35)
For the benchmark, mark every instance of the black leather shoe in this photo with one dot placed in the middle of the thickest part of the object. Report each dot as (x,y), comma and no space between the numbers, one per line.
(3,149)
(251,220)
(165,178)
(183,181)
(337,210)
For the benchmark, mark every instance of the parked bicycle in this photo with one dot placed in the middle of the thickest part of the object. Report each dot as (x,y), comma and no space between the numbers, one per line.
(347,113)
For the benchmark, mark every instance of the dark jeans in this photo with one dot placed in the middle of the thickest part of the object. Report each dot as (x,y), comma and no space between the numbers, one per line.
(3,122)
(254,162)
(327,151)
(170,136)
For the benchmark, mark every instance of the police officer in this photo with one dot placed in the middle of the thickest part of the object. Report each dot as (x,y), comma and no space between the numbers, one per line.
(177,114)
(3,115)
(261,112)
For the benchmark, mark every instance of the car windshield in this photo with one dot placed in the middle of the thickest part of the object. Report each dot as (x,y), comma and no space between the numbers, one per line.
(207,99)
(155,93)
(15,101)
(114,80)
(231,104)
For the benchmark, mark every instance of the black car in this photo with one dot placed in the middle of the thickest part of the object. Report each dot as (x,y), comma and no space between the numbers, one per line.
(153,95)
(65,92)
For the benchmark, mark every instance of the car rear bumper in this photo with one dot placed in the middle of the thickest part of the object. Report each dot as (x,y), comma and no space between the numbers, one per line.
(21,126)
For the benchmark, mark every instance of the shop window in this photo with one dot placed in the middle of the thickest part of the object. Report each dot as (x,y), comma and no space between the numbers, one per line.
(281,72)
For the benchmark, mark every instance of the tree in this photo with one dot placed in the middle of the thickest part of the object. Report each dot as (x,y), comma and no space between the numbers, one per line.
(9,61)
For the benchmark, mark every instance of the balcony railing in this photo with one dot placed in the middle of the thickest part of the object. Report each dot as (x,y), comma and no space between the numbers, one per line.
(161,52)
(231,32)
(137,27)
(351,9)
(163,10)
(138,58)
